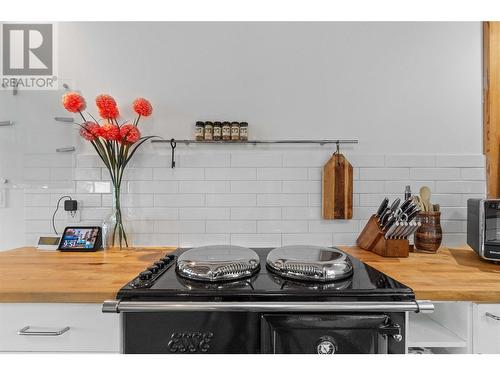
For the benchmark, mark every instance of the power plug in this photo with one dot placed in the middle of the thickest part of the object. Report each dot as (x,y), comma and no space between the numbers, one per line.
(70,205)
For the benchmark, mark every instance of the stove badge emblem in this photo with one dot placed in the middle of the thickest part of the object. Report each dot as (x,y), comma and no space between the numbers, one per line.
(325,345)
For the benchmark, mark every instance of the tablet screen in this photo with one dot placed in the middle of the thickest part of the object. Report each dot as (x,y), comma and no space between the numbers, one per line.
(79,238)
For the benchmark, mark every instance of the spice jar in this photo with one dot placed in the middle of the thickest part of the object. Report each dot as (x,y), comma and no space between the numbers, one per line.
(243,131)
(209,131)
(217,131)
(199,132)
(226,131)
(235,131)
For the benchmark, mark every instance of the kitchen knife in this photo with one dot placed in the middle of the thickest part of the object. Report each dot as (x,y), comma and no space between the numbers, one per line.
(406,231)
(395,204)
(398,232)
(390,231)
(406,204)
(385,216)
(389,223)
(382,207)
(412,215)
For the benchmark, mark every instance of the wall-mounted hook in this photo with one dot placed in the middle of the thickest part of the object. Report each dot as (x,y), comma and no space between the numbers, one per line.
(173,145)
(6,123)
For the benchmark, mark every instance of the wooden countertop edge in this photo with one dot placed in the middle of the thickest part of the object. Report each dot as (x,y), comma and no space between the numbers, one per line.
(96,296)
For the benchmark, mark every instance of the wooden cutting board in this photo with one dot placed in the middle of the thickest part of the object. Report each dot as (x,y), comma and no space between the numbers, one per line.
(337,188)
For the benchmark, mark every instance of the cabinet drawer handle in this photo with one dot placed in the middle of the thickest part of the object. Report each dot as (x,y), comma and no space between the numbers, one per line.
(25,331)
(492,316)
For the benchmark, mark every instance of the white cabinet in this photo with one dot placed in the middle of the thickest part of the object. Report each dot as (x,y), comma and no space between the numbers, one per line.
(89,329)
(486,328)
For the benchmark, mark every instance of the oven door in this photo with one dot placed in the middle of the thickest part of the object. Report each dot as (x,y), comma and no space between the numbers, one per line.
(330,334)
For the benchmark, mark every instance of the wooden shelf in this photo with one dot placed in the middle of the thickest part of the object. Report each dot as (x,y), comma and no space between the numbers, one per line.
(426,332)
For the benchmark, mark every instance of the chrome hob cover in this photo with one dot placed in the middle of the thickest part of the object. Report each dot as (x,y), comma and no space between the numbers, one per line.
(218,263)
(310,263)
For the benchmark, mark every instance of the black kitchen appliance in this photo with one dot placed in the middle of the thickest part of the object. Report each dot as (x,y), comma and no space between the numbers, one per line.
(294,299)
(483,227)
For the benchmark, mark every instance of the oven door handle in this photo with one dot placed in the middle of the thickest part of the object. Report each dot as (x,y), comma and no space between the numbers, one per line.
(118,306)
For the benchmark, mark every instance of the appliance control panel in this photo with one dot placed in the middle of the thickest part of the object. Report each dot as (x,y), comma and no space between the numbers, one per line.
(147,277)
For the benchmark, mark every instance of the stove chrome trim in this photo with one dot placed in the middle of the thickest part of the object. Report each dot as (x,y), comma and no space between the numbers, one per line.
(118,306)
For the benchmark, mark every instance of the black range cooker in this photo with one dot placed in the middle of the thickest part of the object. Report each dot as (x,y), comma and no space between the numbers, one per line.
(293,299)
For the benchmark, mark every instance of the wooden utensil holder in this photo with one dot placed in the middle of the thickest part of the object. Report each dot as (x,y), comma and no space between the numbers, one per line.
(372,238)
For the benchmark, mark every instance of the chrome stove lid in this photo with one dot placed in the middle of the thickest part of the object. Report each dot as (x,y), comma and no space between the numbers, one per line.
(218,263)
(310,263)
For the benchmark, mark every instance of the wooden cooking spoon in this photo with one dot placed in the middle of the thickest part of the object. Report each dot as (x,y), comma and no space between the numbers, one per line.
(425,197)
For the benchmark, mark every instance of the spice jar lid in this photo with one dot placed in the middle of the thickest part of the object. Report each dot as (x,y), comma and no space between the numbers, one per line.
(208,123)
(243,123)
(226,123)
(200,123)
(235,123)
(217,123)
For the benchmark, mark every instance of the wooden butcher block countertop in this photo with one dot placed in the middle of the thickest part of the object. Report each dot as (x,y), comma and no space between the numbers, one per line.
(29,275)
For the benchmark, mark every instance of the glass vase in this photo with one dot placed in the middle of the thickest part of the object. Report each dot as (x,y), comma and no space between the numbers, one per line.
(114,226)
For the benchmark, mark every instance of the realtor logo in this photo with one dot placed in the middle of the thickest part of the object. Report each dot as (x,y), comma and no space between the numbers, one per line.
(28,56)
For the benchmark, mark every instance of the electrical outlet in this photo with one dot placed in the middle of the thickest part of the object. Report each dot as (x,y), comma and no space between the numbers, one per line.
(73,218)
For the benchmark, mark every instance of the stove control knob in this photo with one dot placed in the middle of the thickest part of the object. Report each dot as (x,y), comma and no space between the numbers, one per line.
(153,269)
(145,275)
(160,264)
(166,260)
(326,345)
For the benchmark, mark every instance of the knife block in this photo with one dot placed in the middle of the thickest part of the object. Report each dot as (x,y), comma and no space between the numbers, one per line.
(372,238)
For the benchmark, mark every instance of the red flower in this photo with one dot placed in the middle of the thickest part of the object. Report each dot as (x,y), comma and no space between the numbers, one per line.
(90,131)
(73,102)
(142,107)
(130,133)
(107,106)
(110,132)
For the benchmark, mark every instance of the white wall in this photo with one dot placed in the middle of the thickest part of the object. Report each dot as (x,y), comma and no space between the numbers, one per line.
(397,87)
(400,88)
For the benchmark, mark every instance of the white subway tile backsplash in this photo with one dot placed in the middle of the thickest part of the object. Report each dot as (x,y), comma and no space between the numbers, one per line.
(341,226)
(179,226)
(281,174)
(204,186)
(315,239)
(301,213)
(203,239)
(177,174)
(90,174)
(473,174)
(256,186)
(366,186)
(282,226)
(366,160)
(230,200)
(282,200)
(179,200)
(255,213)
(301,187)
(474,187)
(225,174)
(204,159)
(384,173)
(460,161)
(408,160)
(158,187)
(204,213)
(256,240)
(256,159)
(130,200)
(231,226)
(306,159)
(249,197)
(435,173)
